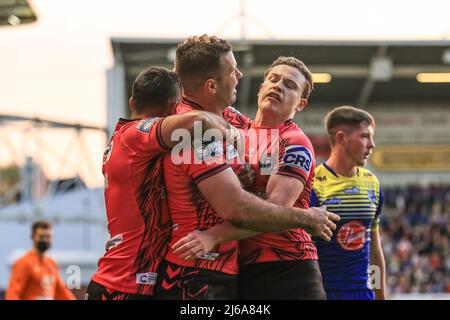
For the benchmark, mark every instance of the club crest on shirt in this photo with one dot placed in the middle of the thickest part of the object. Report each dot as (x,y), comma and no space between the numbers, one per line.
(372,196)
(299,157)
(145,125)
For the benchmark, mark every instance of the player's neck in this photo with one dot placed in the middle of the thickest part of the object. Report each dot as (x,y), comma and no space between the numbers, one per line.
(135,115)
(262,120)
(341,165)
(207,104)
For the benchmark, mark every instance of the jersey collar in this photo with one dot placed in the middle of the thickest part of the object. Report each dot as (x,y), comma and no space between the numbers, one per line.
(335,174)
(192,103)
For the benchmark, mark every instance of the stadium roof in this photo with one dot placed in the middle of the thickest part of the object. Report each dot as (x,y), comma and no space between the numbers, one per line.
(363,72)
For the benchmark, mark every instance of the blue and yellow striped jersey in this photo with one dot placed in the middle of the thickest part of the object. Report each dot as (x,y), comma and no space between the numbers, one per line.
(344,261)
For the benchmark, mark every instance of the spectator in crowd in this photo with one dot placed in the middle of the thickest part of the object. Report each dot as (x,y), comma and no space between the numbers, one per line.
(416,239)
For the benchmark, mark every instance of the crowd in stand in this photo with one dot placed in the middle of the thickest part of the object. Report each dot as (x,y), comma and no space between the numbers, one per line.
(415,233)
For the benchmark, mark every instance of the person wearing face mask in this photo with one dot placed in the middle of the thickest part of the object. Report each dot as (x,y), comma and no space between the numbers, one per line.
(35,276)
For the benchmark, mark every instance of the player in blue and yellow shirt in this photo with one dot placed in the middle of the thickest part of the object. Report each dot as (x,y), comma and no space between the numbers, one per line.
(352,263)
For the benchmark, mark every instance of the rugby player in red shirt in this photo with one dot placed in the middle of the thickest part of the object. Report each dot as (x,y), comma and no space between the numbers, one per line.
(203,195)
(277,265)
(136,207)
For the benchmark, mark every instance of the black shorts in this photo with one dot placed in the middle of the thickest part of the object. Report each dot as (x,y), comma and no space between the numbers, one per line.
(183,283)
(281,280)
(96,291)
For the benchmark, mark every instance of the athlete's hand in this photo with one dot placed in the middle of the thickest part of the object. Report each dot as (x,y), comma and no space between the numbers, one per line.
(319,222)
(246,175)
(194,245)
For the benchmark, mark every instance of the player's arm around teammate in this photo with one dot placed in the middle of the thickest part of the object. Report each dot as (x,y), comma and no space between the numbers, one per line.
(316,221)
(205,120)
(239,212)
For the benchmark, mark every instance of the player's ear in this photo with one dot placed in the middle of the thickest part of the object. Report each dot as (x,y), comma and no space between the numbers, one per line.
(339,137)
(210,86)
(260,88)
(301,105)
(131,104)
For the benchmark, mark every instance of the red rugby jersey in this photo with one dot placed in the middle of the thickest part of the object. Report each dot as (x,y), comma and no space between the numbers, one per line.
(295,159)
(138,219)
(189,210)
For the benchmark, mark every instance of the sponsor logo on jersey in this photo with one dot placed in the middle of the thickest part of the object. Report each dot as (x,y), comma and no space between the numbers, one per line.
(114,242)
(333,200)
(207,150)
(353,190)
(145,124)
(265,161)
(267,165)
(352,236)
(47,283)
(299,157)
(107,153)
(231,152)
(146,278)
(321,179)
(209,256)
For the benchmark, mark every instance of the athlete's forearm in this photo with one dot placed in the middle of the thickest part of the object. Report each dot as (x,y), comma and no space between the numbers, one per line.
(247,211)
(227,232)
(377,259)
(256,214)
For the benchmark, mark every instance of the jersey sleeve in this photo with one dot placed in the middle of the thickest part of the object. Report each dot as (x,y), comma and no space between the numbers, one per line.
(18,281)
(314,201)
(376,220)
(205,160)
(144,137)
(296,157)
(235,118)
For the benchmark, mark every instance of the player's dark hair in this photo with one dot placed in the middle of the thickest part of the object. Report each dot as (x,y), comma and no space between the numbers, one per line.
(346,116)
(155,87)
(300,65)
(198,59)
(40,224)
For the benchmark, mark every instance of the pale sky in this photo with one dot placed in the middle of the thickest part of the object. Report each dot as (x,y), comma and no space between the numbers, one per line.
(56,68)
